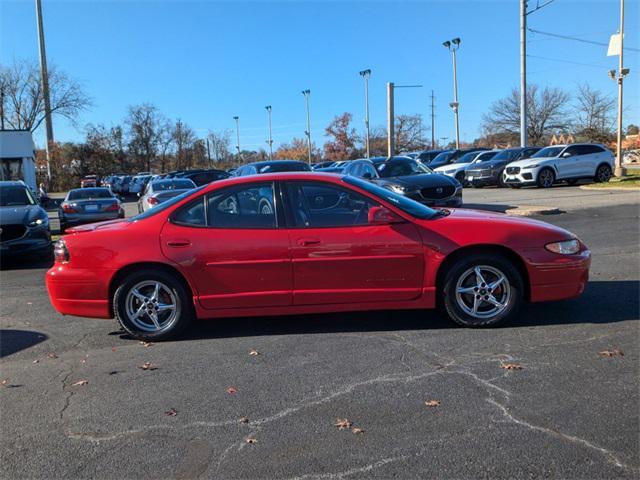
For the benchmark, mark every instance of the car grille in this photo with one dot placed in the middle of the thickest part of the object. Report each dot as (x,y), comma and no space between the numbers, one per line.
(438,192)
(479,173)
(11,232)
(513,170)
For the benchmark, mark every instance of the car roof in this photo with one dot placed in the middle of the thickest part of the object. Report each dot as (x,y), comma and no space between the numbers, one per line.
(271,162)
(89,189)
(12,183)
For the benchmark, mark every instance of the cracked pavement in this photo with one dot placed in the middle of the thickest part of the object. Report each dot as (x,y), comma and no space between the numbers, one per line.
(568,413)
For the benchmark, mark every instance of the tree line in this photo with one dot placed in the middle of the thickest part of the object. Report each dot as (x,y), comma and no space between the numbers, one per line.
(147,140)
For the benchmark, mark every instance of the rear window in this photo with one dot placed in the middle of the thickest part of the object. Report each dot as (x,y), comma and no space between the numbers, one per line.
(164,205)
(172,185)
(89,193)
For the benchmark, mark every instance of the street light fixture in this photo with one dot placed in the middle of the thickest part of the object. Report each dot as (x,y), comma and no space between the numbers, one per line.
(270,141)
(237,119)
(366,74)
(307,94)
(453,46)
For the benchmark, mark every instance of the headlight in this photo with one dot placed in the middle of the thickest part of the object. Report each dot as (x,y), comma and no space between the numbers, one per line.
(568,247)
(42,221)
(398,189)
(531,166)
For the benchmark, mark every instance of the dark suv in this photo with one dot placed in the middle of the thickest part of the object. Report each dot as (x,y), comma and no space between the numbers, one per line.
(24,224)
(490,172)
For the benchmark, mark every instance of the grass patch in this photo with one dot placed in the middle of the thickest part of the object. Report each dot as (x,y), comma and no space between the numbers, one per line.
(631,181)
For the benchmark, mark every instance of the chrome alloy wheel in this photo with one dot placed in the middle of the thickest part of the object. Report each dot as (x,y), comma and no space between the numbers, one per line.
(546,178)
(483,291)
(604,174)
(151,306)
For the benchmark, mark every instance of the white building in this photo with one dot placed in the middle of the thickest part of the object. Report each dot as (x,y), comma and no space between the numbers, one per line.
(18,157)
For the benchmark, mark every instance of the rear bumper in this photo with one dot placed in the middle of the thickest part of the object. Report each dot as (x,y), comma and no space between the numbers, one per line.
(79,292)
(559,277)
(83,219)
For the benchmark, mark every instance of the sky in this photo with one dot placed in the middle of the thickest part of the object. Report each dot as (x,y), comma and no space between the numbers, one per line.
(206,61)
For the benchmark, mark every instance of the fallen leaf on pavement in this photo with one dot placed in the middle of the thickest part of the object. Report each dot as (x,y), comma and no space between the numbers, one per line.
(52,355)
(36,361)
(432,403)
(231,390)
(357,430)
(146,344)
(113,349)
(251,440)
(172,412)
(511,366)
(611,353)
(253,353)
(244,420)
(342,423)
(148,366)
(80,383)
(4,382)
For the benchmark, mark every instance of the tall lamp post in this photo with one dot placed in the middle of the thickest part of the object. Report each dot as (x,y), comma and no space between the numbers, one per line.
(366,74)
(618,76)
(307,94)
(237,119)
(453,46)
(270,141)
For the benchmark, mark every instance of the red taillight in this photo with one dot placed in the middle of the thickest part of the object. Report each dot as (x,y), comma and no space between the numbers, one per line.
(152,201)
(112,208)
(60,252)
(66,208)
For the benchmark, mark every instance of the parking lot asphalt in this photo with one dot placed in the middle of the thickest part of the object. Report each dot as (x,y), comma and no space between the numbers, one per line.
(570,411)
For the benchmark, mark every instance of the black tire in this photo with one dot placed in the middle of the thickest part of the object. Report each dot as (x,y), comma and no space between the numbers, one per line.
(184,312)
(460,178)
(511,185)
(511,296)
(501,183)
(603,174)
(546,178)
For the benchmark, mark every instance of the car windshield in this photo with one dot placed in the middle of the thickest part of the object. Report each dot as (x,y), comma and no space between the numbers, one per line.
(548,152)
(89,193)
(172,185)
(443,157)
(164,205)
(506,154)
(405,204)
(15,196)
(399,168)
(467,157)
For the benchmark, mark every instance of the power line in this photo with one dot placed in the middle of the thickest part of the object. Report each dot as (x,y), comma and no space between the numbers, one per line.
(567,61)
(576,39)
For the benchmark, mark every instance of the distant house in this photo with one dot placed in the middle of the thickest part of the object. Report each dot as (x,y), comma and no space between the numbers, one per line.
(18,157)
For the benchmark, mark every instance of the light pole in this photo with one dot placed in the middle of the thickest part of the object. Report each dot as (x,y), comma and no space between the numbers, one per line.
(237,119)
(44,74)
(307,94)
(270,141)
(366,74)
(453,47)
(618,76)
(391,139)
(523,74)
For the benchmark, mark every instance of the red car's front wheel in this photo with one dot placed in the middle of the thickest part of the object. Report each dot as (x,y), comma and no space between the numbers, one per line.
(152,305)
(482,290)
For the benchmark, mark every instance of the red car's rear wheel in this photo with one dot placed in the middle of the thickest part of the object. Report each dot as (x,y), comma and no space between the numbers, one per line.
(152,305)
(482,290)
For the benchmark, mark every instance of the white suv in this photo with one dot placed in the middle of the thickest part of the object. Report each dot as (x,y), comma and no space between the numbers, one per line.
(567,163)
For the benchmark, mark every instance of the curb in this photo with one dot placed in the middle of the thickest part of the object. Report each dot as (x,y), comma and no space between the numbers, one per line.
(607,189)
(531,210)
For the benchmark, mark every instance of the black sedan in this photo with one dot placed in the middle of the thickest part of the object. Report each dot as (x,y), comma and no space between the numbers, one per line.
(24,225)
(412,179)
(490,172)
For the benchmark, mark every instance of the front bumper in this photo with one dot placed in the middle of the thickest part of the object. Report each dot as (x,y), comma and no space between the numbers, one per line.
(35,240)
(524,177)
(557,277)
(79,292)
(454,201)
(481,179)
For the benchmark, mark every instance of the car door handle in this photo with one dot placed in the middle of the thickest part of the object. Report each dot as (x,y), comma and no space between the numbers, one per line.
(178,243)
(305,242)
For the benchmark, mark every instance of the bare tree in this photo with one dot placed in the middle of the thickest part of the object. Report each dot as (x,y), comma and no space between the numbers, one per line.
(594,114)
(22,99)
(219,143)
(144,122)
(165,144)
(409,133)
(546,112)
(184,139)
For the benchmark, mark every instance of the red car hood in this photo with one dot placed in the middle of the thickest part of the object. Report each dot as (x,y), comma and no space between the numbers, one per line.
(463,226)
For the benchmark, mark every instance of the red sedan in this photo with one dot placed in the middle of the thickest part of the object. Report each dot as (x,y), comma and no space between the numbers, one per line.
(297,243)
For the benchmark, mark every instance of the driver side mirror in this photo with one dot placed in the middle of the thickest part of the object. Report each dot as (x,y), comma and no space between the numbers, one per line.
(565,154)
(383,216)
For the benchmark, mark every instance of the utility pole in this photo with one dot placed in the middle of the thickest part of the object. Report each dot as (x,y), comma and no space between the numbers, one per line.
(270,141)
(44,75)
(453,46)
(523,73)
(390,118)
(433,122)
(237,119)
(208,152)
(1,107)
(366,74)
(307,94)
